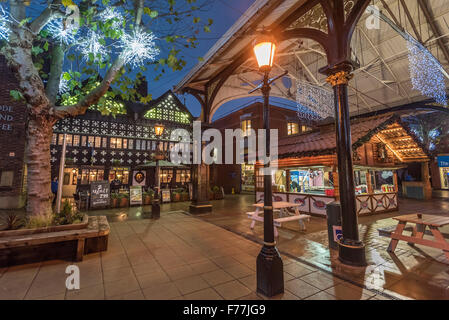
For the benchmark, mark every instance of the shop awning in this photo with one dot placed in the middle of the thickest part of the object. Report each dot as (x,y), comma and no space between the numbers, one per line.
(162,164)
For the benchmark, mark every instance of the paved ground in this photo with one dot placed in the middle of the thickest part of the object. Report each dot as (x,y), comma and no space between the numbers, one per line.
(145,253)
(176,257)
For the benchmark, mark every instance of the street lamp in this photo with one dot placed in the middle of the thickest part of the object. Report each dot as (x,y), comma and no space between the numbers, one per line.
(155,205)
(270,270)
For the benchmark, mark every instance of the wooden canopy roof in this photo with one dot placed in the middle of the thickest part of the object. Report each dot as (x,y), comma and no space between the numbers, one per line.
(389,129)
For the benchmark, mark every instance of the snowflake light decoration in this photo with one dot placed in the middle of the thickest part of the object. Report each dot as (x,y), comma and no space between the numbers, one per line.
(138,47)
(111,15)
(426,72)
(4,24)
(91,45)
(61,33)
(63,85)
(313,102)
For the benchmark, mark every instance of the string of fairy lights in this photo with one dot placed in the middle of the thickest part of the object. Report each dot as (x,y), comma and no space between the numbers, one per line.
(426,72)
(313,102)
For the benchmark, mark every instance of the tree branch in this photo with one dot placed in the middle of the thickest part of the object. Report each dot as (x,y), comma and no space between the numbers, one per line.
(60,112)
(139,11)
(57,61)
(46,16)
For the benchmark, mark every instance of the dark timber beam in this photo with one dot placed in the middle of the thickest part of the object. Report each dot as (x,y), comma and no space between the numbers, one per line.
(423,4)
(410,19)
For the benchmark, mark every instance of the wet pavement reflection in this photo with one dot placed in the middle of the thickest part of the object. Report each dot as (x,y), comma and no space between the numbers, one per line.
(412,272)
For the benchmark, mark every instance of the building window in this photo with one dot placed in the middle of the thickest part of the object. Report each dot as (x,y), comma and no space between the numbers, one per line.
(90,141)
(69,138)
(54,139)
(305,129)
(83,141)
(91,175)
(137,144)
(166,175)
(105,142)
(116,143)
(97,142)
(60,139)
(119,174)
(292,128)
(76,140)
(246,127)
(125,144)
(182,176)
(6,178)
(130,144)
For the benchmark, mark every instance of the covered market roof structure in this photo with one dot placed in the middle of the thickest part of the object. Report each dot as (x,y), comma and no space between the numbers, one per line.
(379,53)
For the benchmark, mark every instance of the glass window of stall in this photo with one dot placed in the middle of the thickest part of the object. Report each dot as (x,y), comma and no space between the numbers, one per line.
(361,181)
(383,181)
(311,180)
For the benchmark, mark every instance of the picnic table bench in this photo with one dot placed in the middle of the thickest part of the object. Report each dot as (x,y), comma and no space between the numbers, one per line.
(97,227)
(284,215)
(422,222)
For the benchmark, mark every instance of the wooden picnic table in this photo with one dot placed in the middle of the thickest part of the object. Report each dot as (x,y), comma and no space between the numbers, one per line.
(284,215)
(421,221)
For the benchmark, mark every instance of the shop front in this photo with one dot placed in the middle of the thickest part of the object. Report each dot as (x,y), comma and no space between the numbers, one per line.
(443,166)
(307,172)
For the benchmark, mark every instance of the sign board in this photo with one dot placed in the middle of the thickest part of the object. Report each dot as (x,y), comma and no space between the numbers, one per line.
(99,194)
(139,178)
(166,196)
(338,233)
(135,195)
(443,161)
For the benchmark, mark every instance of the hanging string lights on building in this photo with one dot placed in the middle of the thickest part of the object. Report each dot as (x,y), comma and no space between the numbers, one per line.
(314,103)
(426,72)
(138,47)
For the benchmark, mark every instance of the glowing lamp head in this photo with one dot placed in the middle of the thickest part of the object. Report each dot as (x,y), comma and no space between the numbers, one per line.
(159,129)
(264,48)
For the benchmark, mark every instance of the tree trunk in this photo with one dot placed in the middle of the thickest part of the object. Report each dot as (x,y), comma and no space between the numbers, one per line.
(39,135)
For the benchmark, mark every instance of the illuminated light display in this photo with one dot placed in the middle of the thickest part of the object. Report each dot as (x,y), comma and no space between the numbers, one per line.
(313,102)
(92,49)
(138,47)
(61,33)
(426,72)
(4,24)
(109,15)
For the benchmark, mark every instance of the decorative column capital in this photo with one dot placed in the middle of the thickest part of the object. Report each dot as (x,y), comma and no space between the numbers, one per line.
(339,78)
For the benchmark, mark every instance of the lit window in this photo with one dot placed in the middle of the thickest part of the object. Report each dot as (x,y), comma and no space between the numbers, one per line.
(60,139)
(83,141)
(305,129)
(130,144)
(76,140)
(292,128)
(246,127)
(125,144)
(105,142)
(90,141)
(54,138)
(97,142)
(69,139)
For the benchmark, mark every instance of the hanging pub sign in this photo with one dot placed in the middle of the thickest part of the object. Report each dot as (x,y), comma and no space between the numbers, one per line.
(139,178)
(135,195)
(99,194)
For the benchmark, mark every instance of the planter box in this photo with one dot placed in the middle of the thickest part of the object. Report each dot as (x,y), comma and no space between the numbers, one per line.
(147,200)
(124,203)
(69,242)
(24,232)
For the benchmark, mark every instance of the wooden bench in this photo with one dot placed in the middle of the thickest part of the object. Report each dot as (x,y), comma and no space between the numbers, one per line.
(97,227)
(422,222)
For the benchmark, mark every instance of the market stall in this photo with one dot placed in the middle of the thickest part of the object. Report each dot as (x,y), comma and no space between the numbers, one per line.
(307,167)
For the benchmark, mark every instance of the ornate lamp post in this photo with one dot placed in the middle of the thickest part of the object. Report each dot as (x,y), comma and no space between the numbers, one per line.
(270,270)
(155,206)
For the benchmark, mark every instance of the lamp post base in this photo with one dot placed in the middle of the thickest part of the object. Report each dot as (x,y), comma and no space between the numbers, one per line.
(352,253)
(155,209)
(270,272)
